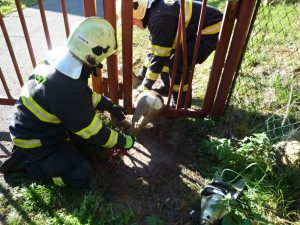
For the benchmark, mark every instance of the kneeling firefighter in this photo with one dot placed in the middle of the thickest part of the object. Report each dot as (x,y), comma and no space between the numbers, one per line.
(56,105)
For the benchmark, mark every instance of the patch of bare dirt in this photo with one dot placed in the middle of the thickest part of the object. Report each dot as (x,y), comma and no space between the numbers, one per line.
(157,178)
(154,177)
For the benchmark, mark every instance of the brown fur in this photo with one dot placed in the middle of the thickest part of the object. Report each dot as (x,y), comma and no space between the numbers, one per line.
(135,80)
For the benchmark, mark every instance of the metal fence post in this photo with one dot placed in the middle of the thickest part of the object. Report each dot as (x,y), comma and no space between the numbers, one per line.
(243,20)
(220,55)
(109,10)
(90,9)
(127,39)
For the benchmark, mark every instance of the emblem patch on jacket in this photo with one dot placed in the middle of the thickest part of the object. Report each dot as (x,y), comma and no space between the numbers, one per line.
(39,79)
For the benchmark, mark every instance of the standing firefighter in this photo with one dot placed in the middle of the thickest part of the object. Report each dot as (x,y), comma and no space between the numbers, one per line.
(56,104)
(163,88)
(161,17)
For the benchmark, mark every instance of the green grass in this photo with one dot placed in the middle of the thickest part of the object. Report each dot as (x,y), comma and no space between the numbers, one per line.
(270,70)
(46,204)
(271,189)
(268,197)
(8,6)
(236,144)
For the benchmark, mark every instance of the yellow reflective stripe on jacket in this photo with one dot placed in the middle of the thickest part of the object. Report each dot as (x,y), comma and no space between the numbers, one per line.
(176,87)
(165,69)
(152,76)
(160,51)
(30,143)
(213,29)
(58,181)
(188,14)
(112,141)
(92,129)
(37,110)
(96,98)
(188,11)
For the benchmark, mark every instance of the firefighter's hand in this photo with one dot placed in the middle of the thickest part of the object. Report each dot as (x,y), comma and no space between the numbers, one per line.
(130,139)
(117,111)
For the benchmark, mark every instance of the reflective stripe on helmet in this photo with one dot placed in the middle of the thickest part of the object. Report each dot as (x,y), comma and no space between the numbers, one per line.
(92,129)
(96,98)
(112,141)
(58,181)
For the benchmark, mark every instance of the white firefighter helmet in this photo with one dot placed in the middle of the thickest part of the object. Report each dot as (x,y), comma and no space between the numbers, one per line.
(139,8)
(92,40)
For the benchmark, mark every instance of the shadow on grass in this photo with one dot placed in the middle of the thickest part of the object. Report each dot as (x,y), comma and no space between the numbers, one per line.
(8,199)
(32,198)
(4,136)
(161,177)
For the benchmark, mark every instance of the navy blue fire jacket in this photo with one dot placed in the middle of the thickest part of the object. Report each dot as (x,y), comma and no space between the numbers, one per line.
(162,22)
(52,104)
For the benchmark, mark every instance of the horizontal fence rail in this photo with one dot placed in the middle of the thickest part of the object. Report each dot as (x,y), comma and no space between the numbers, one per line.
(10,100)
(110,85)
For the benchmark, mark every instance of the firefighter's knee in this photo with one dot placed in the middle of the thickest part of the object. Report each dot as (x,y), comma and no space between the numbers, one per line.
(78,176)
(36,172)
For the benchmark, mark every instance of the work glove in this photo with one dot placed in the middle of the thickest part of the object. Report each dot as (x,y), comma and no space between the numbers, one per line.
(130,139)
(117,111)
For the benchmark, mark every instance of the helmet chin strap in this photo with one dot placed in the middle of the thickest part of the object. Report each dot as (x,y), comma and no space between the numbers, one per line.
(92,63)
(100,66)
(94,71)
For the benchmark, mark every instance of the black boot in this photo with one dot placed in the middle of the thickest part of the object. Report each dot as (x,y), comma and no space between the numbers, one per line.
(142,73)
(174,100)
(163,88)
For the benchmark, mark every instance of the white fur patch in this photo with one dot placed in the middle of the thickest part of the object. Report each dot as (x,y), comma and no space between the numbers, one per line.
(155,102)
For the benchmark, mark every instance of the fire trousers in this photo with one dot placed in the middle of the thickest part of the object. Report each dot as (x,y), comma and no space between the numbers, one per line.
(207,45)
(61,164)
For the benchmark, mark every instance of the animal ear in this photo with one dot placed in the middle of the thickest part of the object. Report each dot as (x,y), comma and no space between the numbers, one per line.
(161,99)
(137,61)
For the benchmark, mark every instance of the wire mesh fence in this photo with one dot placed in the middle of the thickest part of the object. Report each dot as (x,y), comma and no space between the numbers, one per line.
(266,91)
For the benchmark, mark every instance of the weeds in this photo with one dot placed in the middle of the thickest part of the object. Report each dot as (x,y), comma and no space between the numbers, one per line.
(47,204)
(264,85)
(154,220)
(269,196)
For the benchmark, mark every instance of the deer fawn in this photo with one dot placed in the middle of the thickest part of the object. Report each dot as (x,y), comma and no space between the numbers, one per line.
(148,104)
(135,80)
